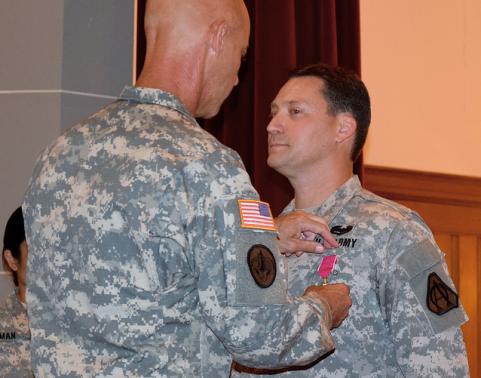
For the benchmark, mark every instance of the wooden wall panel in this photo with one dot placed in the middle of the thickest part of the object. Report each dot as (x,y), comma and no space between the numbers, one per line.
(469,294)
(447,217)
(451,206)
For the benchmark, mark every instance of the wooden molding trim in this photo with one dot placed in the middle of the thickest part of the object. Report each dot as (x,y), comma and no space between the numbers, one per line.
(406,185)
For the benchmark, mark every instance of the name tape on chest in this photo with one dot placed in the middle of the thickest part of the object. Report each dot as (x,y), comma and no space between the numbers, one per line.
(7,335)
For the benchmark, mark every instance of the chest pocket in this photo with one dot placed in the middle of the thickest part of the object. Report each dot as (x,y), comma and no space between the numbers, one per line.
(255,270)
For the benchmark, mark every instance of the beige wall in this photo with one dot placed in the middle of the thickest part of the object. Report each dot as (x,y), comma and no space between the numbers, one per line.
(421,61)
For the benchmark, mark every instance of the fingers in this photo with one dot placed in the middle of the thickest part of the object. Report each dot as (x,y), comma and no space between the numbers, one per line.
(340,288)
(298,246)
(340,309)
(338,298)
(299,230)
(299,221)
(329,240)
(311,222)
(325,238)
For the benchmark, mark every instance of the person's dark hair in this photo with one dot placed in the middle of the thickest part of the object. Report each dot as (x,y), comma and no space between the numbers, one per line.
(13,237)
(343,92)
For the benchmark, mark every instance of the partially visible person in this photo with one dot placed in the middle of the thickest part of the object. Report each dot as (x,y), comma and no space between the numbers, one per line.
(14,331)
(152,255)
(406,315)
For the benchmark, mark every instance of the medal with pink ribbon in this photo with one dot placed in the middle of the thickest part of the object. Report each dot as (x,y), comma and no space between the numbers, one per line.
(326,267)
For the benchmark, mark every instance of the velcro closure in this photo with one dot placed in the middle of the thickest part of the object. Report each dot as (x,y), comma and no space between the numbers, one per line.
(419,258)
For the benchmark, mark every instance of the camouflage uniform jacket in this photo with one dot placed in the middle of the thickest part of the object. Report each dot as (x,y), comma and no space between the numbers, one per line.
(386,256)
(138,262)
(14,339)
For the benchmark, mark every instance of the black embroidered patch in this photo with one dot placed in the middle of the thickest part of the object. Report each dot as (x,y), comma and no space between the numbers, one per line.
(262,265)
(341,230)
(440,298)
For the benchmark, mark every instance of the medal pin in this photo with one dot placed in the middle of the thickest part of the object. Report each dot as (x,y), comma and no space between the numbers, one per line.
(326,267)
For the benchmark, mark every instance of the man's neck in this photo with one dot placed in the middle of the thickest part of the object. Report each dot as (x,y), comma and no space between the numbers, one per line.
(188,95)
(174,72)
(311,189)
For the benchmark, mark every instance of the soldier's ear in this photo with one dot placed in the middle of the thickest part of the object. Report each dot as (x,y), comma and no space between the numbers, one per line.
(12,264)
(217,33)
(346,127)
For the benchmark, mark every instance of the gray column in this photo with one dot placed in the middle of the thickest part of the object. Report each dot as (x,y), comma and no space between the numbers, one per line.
(60,61)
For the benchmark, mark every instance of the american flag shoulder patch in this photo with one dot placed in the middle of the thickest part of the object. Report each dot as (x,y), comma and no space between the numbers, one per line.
(256,214)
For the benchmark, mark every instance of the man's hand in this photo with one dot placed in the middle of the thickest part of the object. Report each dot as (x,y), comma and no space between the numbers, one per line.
(297,231)
(336,296)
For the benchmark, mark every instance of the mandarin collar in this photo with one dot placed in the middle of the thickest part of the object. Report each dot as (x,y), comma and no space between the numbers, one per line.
(154,96)
(332,206)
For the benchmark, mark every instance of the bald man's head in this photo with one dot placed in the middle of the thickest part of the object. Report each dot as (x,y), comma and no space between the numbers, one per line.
(194,48)
(199,13)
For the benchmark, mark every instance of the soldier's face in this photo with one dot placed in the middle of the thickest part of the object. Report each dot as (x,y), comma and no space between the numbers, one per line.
(301,133)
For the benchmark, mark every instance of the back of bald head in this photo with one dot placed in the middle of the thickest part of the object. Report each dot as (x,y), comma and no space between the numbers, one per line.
(181,36)
(188,19)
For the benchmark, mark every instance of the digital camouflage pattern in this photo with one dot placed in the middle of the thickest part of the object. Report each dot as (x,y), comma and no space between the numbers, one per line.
(385,258)
(14,339)
(137,263)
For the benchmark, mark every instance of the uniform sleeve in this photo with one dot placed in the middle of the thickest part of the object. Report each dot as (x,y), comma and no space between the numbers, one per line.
(424,313)
(244,301)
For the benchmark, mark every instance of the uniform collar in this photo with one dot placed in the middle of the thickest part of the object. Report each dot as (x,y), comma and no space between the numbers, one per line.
(154,96)
(332,206)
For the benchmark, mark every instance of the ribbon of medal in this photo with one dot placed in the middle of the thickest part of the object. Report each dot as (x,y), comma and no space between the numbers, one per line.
(326,267)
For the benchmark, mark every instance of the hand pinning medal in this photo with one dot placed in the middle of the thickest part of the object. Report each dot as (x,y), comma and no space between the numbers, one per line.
(326,267)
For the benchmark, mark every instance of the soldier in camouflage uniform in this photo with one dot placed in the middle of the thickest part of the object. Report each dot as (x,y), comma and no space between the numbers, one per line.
(14,331)
(147,258)
(405,319)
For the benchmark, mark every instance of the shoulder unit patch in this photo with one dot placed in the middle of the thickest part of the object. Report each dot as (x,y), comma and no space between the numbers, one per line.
(262,265)
(440,297)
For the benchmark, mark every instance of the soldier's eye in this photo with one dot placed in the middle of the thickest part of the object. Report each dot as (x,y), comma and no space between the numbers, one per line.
(294,111)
